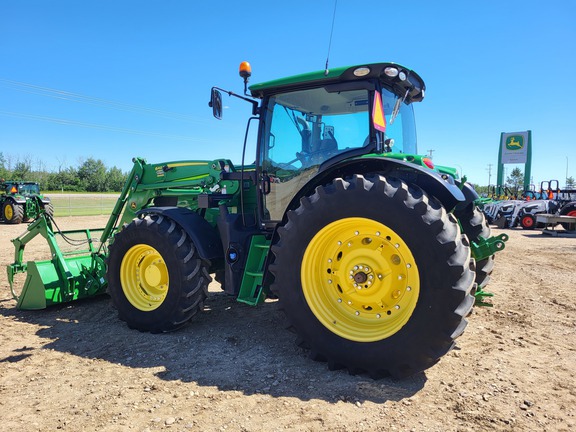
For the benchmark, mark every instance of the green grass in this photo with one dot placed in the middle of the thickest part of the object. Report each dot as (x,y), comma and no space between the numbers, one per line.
(82,205)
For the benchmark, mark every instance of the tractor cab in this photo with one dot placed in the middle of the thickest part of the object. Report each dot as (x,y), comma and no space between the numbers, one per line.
(307,130)
(314,122)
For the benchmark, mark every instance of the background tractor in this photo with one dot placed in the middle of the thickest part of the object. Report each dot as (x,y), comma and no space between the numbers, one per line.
(22,201)
(374,253)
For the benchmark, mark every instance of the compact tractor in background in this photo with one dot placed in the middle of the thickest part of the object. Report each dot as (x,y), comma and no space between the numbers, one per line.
(523,212)
(374,253)
(22,201)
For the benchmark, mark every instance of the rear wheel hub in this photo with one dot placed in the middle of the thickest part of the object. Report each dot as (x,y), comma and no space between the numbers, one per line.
(360,279)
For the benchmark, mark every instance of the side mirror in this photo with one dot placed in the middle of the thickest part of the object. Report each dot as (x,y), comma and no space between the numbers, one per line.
(216,103)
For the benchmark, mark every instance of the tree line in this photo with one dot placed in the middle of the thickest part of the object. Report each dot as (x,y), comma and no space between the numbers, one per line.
(91,176)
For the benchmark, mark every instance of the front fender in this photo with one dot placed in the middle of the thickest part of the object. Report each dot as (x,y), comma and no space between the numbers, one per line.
(205,236)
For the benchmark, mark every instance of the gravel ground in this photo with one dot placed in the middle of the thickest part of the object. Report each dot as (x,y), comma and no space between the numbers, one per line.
(236,368)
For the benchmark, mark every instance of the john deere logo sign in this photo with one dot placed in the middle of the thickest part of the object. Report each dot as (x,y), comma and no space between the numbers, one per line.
(515,142)
(514,147)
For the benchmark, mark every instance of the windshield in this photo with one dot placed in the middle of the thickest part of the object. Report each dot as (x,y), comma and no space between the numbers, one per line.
(302,129)
(28,189)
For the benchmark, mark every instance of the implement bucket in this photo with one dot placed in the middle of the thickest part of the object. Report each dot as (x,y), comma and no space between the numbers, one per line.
(61,279)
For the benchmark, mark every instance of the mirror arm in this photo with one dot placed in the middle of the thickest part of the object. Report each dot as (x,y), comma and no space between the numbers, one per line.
(255,110)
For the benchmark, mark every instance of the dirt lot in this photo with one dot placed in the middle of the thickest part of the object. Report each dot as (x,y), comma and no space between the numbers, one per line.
(236,368)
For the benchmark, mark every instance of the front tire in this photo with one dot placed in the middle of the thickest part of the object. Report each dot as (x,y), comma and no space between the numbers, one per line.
(528,222)
(12,212)
(156,279)
(374,276)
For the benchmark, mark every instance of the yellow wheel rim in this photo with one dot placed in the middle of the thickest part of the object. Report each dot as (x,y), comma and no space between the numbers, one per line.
(360,279)
(144,277)
(8,212)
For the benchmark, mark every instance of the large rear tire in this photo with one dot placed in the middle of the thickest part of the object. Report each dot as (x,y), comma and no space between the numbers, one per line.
(374,276)
(13,213)
(156,279)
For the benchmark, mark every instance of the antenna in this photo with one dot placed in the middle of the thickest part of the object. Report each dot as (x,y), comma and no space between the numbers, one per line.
(326,71)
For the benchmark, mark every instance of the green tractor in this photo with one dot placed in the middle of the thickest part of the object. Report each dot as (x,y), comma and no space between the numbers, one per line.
(374,253)
(22,201)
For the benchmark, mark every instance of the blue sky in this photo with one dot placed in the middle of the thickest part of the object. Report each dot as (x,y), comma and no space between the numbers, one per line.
(113,79)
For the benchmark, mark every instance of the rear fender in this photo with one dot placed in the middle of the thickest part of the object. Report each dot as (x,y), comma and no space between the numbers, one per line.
(17,199)
(441,186)
(205,236)
(470,195)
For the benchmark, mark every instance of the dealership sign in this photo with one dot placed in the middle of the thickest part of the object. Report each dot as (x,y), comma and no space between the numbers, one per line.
(514,147)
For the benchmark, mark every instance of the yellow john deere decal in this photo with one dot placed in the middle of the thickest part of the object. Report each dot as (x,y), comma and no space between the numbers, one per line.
(515,142)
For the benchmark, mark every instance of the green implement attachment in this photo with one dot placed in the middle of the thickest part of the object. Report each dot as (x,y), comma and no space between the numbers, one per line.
(483,248)
(479,297)
(67,276)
